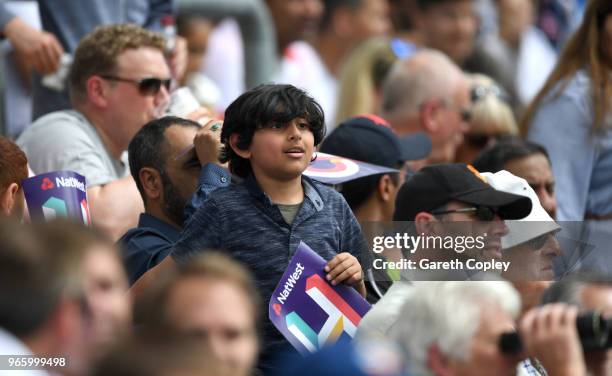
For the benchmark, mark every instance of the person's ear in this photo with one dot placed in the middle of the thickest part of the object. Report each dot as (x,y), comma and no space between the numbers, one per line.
(233,141)
(9,198)
(97,91)
(151,182)
(438,362)
(425,223)
(429,113)
(386,188)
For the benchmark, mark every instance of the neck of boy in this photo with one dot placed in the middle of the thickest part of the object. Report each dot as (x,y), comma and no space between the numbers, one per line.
(284,192)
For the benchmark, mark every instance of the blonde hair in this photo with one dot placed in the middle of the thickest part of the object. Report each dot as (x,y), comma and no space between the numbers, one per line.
(582,51)
(98,51)
(490,115)
(362,75)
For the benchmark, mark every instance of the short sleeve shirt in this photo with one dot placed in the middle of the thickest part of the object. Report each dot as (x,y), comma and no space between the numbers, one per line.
(66,140)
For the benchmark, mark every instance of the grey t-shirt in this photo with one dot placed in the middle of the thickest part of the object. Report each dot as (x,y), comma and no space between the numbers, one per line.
(289,211)
(66,140)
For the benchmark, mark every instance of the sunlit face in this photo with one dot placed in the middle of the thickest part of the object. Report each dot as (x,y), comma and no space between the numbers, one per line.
(106,290)
(129,108)
(371,19)
(536,170)
(485,358)
(281,152)
(467,224)
(451,28)
(294,19)
(451,120)
(197,34)
(532,260)
(221,313)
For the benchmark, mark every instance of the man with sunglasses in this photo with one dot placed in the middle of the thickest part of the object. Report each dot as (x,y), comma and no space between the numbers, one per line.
(454,200)
(119,81)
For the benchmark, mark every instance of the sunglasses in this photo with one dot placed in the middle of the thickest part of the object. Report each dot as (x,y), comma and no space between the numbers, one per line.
(146,86)
(482,213)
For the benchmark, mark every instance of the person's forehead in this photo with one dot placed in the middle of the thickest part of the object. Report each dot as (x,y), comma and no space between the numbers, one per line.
(179,137)
(142,62)
(533,168)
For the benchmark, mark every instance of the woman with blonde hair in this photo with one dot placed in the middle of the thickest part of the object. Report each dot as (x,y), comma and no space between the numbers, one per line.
(363,73)
(490,118)
(572,118)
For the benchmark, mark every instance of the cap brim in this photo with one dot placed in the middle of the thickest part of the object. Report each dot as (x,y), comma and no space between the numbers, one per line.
(414,147)
(509,206)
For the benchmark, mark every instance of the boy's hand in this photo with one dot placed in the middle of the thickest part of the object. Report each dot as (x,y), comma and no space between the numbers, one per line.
(344,267)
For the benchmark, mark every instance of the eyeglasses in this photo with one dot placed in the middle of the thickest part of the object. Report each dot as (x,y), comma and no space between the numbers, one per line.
(146,86)
(482,213)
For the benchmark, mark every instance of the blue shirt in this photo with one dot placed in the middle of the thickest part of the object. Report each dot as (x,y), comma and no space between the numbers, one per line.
(147,245)
(581,159)
(242,220)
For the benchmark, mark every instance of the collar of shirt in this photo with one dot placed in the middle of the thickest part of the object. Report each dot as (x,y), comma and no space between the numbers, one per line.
(310,191)
(171,233)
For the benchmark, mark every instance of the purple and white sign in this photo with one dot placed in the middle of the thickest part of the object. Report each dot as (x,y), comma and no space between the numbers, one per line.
(331,169)
(309,311)
(57,194)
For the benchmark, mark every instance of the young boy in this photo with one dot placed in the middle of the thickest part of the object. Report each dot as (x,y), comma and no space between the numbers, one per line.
(269,135)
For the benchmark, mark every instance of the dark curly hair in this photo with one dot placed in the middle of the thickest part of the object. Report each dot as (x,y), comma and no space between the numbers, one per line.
(263,105)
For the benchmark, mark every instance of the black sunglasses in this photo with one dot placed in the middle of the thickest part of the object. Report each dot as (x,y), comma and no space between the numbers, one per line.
(483,213)
(147,86)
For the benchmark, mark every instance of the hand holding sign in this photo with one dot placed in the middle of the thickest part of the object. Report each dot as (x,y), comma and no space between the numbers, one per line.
(307,310)
(345,267)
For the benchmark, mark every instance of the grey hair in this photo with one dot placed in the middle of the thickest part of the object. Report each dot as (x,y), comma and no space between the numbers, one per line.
(447,314)
(427,74)
(569,289)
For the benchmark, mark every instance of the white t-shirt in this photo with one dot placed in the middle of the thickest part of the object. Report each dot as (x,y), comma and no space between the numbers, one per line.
(66,140)
(302,67)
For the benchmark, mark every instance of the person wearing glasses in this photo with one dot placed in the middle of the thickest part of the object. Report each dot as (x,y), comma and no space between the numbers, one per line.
(118,82)
(445,200)
(428,93)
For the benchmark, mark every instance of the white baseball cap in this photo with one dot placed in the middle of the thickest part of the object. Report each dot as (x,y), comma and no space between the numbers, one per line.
(537,223)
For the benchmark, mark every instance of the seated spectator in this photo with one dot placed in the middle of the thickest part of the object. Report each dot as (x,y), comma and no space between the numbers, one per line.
(94,260)
(363,73)
(589,291)
(428,93)
(450,26)
(62,295)
(13,170)
(196,31)
(490,118)
(530,245)
(315,66)
(119,81)
(368,138)
(453,328)
(162,354)
(524,159)
(166,178)
(448,198)
(450,195)
(212,298)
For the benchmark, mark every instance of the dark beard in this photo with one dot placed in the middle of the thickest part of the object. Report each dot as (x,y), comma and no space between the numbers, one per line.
(174,204)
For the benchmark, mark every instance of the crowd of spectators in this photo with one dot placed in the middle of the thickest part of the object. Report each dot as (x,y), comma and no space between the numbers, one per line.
(491,120)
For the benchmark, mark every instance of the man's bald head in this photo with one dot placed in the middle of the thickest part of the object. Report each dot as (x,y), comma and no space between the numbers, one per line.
(428,93)
(427,74)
